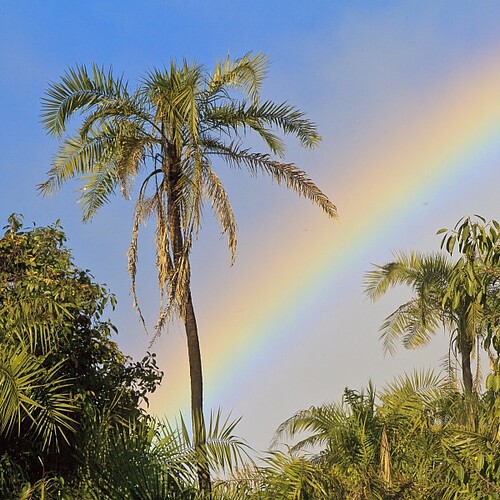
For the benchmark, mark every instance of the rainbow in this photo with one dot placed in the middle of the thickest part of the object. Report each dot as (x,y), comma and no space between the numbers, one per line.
(449,132)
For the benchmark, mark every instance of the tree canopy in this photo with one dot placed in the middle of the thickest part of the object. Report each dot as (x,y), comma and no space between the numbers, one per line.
(59,367)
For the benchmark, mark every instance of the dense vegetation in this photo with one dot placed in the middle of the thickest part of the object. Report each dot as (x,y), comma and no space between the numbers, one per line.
(61,374)
(72,424)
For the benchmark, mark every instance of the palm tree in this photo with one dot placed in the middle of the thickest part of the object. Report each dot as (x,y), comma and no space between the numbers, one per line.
(354,458)
(429,276)
(149,458)
(461,296)
(172,130)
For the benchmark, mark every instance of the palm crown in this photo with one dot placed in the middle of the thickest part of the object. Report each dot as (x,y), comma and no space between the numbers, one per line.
(428,276)
(173,129)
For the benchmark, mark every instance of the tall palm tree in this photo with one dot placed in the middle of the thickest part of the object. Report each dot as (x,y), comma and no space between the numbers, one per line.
(172,131)
(462,296)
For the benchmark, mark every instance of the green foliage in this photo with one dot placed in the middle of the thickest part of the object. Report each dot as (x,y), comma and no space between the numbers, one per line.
(476,280)
(154,459)
(462,297)
(59,368)
(72,427)
(421,439)
(350,436)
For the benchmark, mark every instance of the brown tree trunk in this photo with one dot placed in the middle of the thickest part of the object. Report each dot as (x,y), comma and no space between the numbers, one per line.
(194,355)
(466,352)
(196,376)
(465,349)
(172,169)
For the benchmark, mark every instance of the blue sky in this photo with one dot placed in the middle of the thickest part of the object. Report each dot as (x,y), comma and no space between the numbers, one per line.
(361,70)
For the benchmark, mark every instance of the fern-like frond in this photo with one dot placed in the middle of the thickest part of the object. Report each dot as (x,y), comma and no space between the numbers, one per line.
(283,173)
(221,206)
(97,189)
(245,73)
(320,421)
(78,90)
(233,117)
(31,393)
(53,417)
(76,157)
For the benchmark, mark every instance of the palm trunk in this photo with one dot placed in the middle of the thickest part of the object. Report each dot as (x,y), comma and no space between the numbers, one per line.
(466,367)
(194,355)
(465,348)
(196,377)
(190,325)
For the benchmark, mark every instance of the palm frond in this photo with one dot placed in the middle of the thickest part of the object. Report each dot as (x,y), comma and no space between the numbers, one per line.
(223,450)
(128,462)
(286,118)
(229,119)
(78,90)
(292,477)
(20,375)
(412,392)
(32,393)
(121,108)
(53,417)
(76,157)
(403,270)
(286,173)
(221,207)
(97,189)
(320,421)
(144,208)
(232,117)
(245,73)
